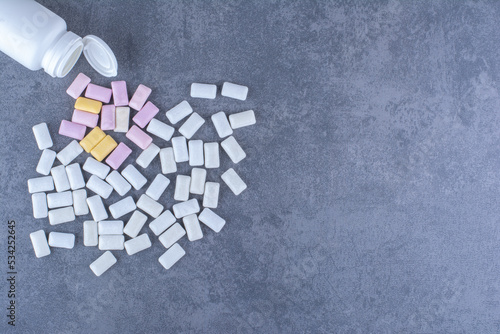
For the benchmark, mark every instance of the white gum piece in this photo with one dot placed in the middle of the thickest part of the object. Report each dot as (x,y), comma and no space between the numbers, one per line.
(69,153)
(135,224)
(233,149)
(96,168)
(167,160)
(172,235)
(46,162)
(212,220)
(195,148)
(171,256)
(157,187)
(211,195)
(40,244)
(80,205)
(103,263)
(164,221)
(182,185)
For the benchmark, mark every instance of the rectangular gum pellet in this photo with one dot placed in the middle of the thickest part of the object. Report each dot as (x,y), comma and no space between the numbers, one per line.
(42,136)
(97,208)
(171,256)
(106,227)
(139,137)
(193,228)
(211,151)
(212,220)
(118,182)
(90,235)
(211,195)
(157,187)
(146,114)
(61,240)
(75,176)
(111,242)
(69,153)
(46,161)
(172,235)
(149,205)
(234,91)
(204,91)
(186,208)
(40,244)
(241,119)
(147,156)
(78,85)
(122,116)
(104,148)
(233,149)
(103,263)
(93,138)
(60,178)
(193,123)
(108,117)
(120,95)
(85,118)
(40,184)
(72,130)
(167,160)
(61,215)
(58,200)
(137,244)
(98,93)
(195,148)
(85,104)
(40,208)
(164,221)
(178,112)
(122,207)
(160,129)
(118,156)
(179,145)
(198,177)
(140,97)
(135,224)
(233,181)
(134,177)
(95,167)
(100,187)
(80,202)
(182,183)
(221,124)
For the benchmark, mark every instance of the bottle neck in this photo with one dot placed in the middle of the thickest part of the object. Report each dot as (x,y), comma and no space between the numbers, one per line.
(60,58)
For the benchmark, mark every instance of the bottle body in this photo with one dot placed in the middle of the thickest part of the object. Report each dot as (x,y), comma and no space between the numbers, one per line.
(37,38)
(28,30)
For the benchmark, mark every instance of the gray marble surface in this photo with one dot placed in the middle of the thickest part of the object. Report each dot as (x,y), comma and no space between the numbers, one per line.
(373,170)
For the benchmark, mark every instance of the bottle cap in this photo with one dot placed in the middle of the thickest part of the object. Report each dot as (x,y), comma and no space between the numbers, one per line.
(100,56)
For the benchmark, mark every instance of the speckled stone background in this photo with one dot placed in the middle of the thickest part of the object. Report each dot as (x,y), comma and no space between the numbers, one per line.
(373,171)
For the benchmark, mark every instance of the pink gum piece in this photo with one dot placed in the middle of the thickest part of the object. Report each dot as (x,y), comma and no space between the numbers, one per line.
(147,113)
(72,130)
(78,86)
(120,95)
(98,93)
(85,118)
(108,117)
(140,97)
(139,137)
(118,156)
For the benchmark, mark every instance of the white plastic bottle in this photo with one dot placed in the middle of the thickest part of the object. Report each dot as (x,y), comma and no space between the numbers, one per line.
(38,38)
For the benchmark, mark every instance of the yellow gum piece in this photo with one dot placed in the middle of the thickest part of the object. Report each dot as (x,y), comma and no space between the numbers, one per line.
(105,147)
(93,106)
(92,139)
